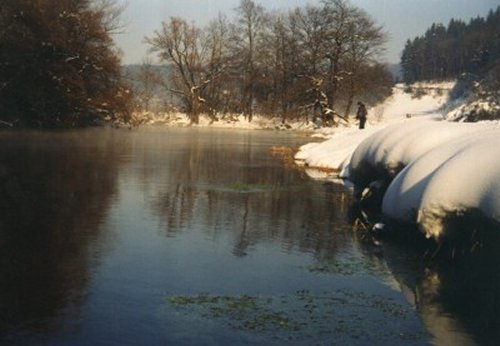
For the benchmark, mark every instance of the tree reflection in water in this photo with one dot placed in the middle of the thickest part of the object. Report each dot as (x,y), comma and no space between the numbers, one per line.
(219,194)
(55,190)
(232,190)
(457,302)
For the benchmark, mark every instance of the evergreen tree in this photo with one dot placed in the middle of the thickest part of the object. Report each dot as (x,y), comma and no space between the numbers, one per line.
(459,48)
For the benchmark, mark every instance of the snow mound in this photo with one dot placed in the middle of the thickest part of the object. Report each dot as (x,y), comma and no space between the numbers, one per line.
(388,151)
(459,177)
(335,153)
(438,171)
(442,176)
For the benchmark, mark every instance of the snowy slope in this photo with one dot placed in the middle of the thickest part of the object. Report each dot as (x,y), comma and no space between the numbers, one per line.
(335,153)
(440,170)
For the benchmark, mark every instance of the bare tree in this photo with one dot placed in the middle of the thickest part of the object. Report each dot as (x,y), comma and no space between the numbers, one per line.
(246,39)
(338,40)
(281,54)
(178,43)
(273,62)
(340,35)
(149,81)
(216,37)
(111,15)
(197,59)
(361,56)
(310,28)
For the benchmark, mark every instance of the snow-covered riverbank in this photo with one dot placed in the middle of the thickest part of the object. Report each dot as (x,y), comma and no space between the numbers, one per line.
(335,152)
(437,168)
(230,121)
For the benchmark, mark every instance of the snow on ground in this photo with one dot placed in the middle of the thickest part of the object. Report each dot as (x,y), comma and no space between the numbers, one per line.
(391,149)
(476,110)
(459,176)
(228,121)
(335,153)
(437,168)
(441,169)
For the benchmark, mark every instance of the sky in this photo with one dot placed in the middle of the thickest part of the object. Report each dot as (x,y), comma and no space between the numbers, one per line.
(401,19)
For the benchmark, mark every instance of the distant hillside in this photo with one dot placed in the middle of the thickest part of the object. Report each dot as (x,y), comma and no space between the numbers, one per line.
(448,52)
(466,52)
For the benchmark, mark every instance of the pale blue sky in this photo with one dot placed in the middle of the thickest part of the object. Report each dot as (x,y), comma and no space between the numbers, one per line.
(401,19)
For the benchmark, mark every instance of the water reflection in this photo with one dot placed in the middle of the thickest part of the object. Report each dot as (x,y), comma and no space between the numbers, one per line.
(227,188)
(55,191)
(458,299)
(233,186)
(86,214)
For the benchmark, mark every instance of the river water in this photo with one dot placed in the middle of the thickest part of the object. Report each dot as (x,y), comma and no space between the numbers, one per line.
(205,237)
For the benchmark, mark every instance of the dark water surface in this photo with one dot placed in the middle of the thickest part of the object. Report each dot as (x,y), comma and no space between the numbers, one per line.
(201,237)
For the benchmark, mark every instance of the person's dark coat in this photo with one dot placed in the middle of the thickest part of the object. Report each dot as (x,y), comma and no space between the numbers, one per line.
(361,115)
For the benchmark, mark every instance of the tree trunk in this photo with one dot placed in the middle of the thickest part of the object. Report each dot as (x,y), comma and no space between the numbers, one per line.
(348,107)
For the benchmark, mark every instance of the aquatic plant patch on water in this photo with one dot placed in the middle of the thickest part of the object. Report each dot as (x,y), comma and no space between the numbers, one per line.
(242,312)
(344,266)
(250,188)
(303,316)
(349,263)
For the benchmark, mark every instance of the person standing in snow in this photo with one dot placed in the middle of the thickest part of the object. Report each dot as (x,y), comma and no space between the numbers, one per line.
(361,115)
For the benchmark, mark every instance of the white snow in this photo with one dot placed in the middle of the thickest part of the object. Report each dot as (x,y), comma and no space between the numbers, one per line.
(459,176)
(335,153)
(479,109)
(237,121)
(396,146)
(440,168)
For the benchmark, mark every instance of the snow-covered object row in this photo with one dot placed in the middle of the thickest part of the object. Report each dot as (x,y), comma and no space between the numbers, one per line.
(439,170)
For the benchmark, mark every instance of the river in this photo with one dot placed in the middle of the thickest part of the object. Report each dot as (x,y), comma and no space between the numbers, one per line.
(190,236)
